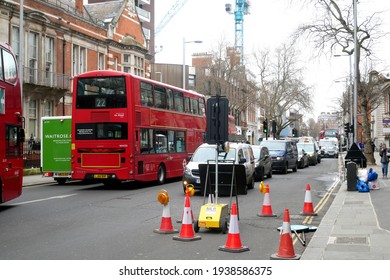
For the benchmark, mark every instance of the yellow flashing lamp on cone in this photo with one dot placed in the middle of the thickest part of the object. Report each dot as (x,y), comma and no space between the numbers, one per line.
(163,197)
(262,187)
(190,189)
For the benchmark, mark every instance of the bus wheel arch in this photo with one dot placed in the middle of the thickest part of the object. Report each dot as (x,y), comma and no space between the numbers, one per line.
(161,174)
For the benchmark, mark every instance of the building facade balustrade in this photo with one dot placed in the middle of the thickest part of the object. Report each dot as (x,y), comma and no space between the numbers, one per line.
(47,79)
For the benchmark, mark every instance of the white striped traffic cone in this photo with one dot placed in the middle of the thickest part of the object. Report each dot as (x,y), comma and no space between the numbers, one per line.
(187,230)
(233,242)
(308,204)
(286,247)
(166,222)
(267,208)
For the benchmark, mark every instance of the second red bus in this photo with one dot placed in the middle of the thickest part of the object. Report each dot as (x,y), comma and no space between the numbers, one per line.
(126,127)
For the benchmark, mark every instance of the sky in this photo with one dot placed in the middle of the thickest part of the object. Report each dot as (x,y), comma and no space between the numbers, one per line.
(269,24)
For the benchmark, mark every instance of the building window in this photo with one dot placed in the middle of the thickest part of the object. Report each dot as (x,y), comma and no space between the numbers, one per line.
(115,63)
(75,56)
(83,59)
(15,41)
(101,61)
(79,58)
(32,117)
(49,57)
(33,57)
(48,108)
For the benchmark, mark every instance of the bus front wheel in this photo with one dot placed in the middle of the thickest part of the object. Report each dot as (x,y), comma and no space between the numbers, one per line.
(161,174)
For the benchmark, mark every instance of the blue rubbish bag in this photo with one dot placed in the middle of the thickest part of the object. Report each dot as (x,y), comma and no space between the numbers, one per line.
(372,175)
(362,186)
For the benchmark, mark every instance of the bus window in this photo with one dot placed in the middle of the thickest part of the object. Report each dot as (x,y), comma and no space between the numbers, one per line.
(170,100)
(179,101)
(111,130)
(202,110)
(146,94)
(13,147)
(10,73)
(161,142)
(94,131)
(187,104)
(180,142)
(2,101)
(194,106)
(160,100)
(146,141)
(105,92)
(171,141)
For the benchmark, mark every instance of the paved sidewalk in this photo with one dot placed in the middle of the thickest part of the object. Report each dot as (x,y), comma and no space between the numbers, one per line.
(32,180)
(350,229)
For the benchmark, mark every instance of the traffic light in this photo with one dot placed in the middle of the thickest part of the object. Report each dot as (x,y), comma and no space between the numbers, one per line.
(273,126)
(265,126)
(351,128)
(294,132)
(347,128)
(217,120)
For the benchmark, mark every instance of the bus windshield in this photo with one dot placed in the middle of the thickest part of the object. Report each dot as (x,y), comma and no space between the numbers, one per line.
(103,92)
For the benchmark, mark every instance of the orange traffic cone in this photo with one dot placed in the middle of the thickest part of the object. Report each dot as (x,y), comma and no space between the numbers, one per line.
(166,222)
(267,208)
(308,205)
(233,242)
(187,230)
(286,248)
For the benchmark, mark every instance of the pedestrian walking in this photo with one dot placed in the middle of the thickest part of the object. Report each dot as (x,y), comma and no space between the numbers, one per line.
(383,153)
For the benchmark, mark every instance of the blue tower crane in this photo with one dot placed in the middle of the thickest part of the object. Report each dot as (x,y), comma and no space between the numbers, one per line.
(241,9)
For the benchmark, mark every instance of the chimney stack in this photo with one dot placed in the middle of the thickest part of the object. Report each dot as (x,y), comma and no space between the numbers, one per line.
(80,5)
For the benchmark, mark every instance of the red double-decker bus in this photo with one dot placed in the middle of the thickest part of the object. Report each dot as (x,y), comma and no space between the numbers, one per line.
(126,127)
(11,127)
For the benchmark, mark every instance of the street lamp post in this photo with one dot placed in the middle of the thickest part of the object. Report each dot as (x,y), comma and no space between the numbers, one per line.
(350,93)
(184,58)
(355,73)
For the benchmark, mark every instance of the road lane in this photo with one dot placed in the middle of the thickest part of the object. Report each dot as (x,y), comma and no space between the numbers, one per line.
(117,222)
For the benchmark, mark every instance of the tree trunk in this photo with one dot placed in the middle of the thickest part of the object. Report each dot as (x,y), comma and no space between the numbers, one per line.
(366,130)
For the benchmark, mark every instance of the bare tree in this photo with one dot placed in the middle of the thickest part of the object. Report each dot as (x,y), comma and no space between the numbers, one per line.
(334,30)
(281,86)
(220,72)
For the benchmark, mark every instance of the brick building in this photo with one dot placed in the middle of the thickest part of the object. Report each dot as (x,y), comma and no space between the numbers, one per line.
(63,38)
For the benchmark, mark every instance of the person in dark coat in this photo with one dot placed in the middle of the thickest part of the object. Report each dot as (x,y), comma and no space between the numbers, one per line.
(384,160)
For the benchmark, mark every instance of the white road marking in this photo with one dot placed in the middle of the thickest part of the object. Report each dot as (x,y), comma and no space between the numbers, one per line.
(43,199)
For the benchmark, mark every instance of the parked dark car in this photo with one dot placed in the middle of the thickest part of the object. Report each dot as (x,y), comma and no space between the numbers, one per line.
(303,159)
(284,154)
(263,162)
